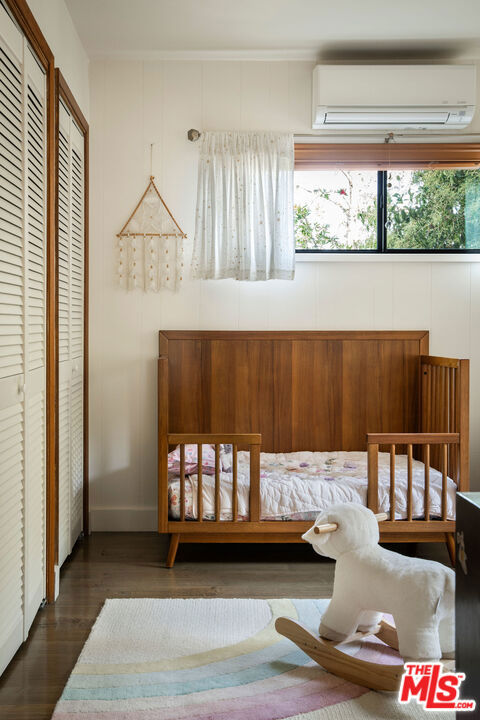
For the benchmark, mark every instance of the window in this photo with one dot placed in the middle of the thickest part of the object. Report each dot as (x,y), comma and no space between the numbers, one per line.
(378,198)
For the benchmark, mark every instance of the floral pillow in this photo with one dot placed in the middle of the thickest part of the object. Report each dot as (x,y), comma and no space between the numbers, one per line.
(191,464)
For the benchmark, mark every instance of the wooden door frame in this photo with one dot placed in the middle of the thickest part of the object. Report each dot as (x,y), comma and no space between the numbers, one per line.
(63,93)
(24,18)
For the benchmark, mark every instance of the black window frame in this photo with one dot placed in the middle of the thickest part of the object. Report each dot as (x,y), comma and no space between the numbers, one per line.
(382,245)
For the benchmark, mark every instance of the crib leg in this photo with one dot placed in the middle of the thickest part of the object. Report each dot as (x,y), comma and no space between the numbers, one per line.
(172,549)
(450,541)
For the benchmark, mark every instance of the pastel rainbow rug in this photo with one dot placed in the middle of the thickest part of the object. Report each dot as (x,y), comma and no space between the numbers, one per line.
(214,659)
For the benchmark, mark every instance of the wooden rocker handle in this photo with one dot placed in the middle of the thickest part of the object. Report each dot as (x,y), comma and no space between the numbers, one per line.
(361,672)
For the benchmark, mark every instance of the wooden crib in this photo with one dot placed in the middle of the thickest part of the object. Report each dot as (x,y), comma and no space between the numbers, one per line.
(305,390)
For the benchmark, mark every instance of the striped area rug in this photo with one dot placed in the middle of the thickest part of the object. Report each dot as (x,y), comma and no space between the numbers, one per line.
(152,659)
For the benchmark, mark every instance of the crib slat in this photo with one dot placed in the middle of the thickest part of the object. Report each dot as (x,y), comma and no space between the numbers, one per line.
(436,400)
(372,492)
(234,483)
(254,483)
(182,482)
(424,423)
(217,483)
(426,462)
(445,395)
(392,482)
(409,482)
(199,483)
(428,409)
(452,425)
(444,482)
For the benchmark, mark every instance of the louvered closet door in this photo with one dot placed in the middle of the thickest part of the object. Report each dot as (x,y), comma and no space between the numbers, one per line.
(71,233)
(12,365)
(35,355)
(22,341)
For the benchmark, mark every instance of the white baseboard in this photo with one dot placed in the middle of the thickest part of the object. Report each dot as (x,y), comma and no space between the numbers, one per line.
(123,519)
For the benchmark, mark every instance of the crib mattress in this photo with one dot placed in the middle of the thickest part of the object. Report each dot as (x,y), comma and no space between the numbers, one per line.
(299,485)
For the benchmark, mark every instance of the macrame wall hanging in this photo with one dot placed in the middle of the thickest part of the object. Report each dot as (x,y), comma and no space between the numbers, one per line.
(150,246)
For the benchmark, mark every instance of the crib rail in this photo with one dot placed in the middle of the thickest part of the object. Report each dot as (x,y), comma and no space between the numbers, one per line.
(444,409)
(425,441)
(251,441)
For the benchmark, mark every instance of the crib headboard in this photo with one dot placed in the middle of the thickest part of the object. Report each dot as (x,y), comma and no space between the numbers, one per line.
(301,390)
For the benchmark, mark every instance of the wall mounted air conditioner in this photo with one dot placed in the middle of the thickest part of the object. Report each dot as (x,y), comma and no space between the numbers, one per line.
(393,97)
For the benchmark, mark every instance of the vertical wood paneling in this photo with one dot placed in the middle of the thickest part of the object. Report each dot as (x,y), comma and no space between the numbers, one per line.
(354,406)
(412,297)
(221,95)
(338,285)
(98,273)
(298,105)
(292,305)
(450,325)
(322,394)
(233,368)
(185,399)
(123,181)
(254,83)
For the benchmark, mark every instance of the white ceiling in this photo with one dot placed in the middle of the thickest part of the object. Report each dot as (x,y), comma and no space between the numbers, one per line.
(328,29)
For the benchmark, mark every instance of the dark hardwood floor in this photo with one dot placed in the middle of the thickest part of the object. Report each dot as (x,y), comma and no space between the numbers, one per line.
(116,565)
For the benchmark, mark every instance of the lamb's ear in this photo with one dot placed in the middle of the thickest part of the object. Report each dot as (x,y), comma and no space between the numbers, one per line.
(309,536)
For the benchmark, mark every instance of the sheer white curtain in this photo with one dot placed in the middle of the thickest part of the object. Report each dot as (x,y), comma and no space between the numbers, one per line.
(244,220)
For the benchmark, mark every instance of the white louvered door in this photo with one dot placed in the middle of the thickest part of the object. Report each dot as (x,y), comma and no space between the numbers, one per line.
(22,337)
(35,348)
(71,236)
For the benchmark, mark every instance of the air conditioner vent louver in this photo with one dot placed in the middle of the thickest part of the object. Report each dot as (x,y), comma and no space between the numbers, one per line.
(397,97)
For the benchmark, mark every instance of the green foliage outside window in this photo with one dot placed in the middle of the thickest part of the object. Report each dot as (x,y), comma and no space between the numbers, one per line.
(437,210)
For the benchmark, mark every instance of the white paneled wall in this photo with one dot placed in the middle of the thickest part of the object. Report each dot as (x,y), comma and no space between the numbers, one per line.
(136,103)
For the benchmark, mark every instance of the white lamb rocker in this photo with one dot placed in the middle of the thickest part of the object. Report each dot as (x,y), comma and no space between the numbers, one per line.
(370,581)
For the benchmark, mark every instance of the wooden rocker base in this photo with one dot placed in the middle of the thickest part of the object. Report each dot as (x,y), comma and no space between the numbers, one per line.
(361,672)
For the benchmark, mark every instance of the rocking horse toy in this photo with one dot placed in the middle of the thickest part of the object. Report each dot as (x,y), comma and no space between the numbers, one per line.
(370,581)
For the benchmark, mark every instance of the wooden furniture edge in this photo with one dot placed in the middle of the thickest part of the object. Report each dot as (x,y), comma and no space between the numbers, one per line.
(214,438)
(463,410)
(286,538)
(413,438)
(292,335)
(162,344)
(439,361)
(162,391)
(244,528)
